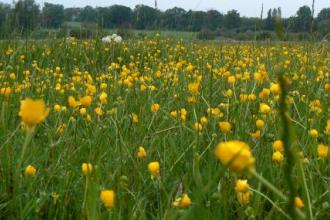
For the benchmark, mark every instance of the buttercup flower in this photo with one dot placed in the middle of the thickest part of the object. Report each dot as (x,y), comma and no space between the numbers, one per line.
(108,198)
(153,168)
(183,202)
(87,168)
(141,152)
(236,155)
(323,151)
(30,170)
(242,186)
(33,112)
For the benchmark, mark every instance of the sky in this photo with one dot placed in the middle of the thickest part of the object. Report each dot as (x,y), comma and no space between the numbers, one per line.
(250,8)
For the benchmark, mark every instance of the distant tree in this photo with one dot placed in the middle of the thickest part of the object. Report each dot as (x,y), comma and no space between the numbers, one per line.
(4,13)
(195,20)
(324,14)
(232,19)
(53,15)
(5,18)
(146,17)
(304,19)
(88,14)
(249,24)
(213,20)
(269,21)
(27,15)
(120,16)
(174,19)
(72,14)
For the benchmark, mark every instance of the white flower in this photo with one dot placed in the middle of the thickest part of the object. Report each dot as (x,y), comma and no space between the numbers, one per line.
(106,39)
(118,39)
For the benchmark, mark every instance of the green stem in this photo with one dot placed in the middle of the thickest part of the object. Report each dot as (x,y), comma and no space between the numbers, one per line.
(27,140)
(275,190)
(272,202)
(268,184)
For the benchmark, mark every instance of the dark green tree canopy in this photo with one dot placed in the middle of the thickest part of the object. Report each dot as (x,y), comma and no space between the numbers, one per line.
(53,15)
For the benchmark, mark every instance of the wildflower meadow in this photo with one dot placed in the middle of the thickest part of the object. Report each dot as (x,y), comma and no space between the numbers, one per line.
(160,128)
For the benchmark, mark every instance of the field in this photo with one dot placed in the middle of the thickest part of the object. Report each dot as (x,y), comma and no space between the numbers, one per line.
(164,129)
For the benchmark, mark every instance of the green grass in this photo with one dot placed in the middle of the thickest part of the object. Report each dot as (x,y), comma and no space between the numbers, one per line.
(188,164)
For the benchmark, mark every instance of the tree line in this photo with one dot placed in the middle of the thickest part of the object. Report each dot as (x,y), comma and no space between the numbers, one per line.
(26,15)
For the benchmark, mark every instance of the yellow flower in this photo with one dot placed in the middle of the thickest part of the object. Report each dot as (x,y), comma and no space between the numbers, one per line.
(61,128)
(198,127)
(86,100)
(103,98)
(275,88)
(87,168)
(155,108)
(183,202)
(30,170)
(313,133)
(204,120)
(57,108)
(5,91)
(224,126)
(83,111)
(322,151)
(260,124)
(327,128)
(108,198)
(277,156)
(278,146)
(153,168)
(264,93)
(236,155)
(193,88)
(244,198)
(135,118)
(98,111)
(33,112)
(242,186)
(73,103)
(141,152)
(264,108)
(298,202)
(256,135)
(231,80)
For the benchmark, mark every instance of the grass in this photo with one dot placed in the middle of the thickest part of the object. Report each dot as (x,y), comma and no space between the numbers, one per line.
(138,74)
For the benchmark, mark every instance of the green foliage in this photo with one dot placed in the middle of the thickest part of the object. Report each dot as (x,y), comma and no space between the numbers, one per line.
(205,34)
(232,19)
(264,36)
(53,15)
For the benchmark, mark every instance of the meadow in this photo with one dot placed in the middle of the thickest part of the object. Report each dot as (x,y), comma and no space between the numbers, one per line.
(164,129)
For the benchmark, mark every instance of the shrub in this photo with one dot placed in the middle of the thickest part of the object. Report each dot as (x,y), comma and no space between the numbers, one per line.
(205,34)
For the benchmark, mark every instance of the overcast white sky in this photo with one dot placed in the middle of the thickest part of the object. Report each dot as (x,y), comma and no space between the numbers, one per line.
(251,8)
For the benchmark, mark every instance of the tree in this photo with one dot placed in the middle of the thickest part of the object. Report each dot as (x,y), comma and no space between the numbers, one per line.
(120,16)
(232,19)
(53,15)
(304,18)
(71,14)
(4,13)
(174,19)
(5,18)
(146,17)
(323,15)
(213,19)
(195,20)
(269,22)
(27,15)
(88,14)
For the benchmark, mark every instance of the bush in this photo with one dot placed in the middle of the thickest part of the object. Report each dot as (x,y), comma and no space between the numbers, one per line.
(264,36)
(125,33)
(205,34)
